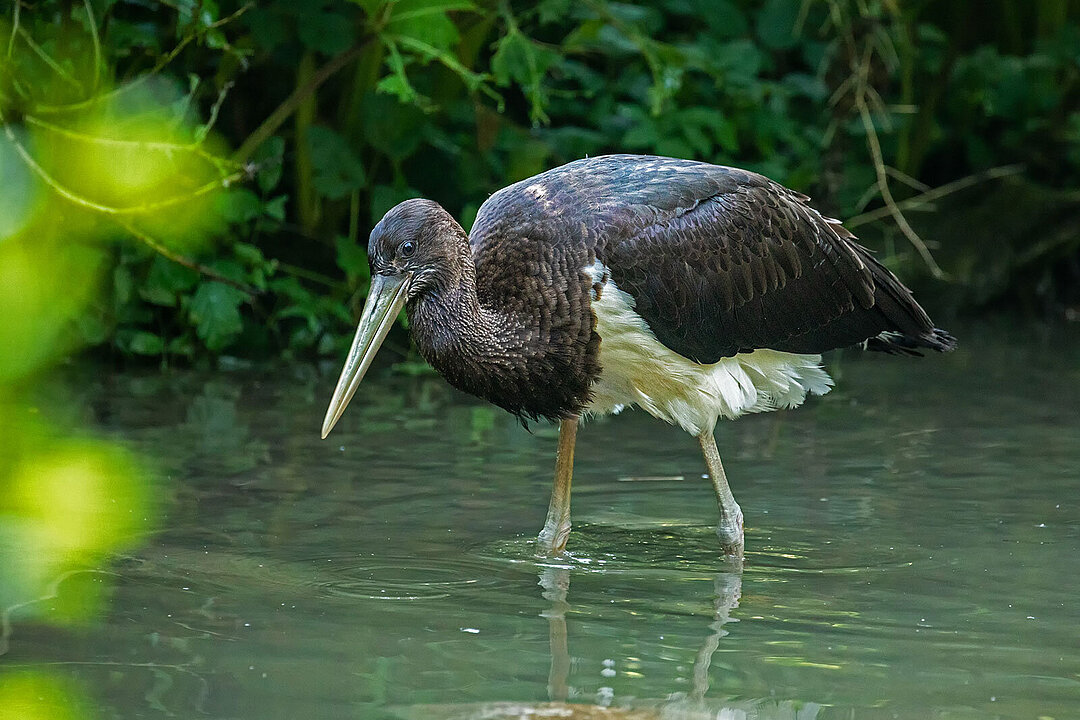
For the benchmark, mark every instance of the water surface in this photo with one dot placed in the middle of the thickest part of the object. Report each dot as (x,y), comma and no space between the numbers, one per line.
(913,551)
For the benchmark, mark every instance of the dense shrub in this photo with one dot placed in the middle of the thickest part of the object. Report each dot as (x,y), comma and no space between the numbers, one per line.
(239,152)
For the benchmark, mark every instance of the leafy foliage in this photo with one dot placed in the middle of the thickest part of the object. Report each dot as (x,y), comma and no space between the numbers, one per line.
(341,108)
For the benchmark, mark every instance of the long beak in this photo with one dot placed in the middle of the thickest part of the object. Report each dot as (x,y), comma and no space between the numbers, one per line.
(385,299)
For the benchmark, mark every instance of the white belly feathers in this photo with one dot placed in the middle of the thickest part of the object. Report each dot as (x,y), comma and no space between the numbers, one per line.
(637,369)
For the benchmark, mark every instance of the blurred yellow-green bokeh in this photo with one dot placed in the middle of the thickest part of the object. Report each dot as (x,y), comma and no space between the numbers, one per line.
(42,696)
(85,165)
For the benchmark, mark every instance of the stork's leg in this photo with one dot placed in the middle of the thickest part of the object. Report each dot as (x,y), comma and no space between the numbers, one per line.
(552,540)
(730,529)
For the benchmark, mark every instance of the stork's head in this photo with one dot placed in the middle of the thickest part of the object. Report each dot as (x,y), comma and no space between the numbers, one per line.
(416,249)
(419,240)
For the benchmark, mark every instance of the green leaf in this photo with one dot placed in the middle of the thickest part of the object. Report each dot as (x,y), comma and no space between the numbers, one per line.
(123,284)
(397,83)
(351,258)
(549,11)
(144,343)
(807,85)
(430,52)
(740,61)
(384,197)
(776,23)
(92,328)
(642,135)
(215,312)
(267,27)
(723,17)
(426,21)
(438,31)
(249,254)
(275,208)
(398,86)
(521,60)
(165,280)
(326,32)
(394,128)
(371,7)
(238,205)
(181,346)
(406,9)
(336,170)
(268,159)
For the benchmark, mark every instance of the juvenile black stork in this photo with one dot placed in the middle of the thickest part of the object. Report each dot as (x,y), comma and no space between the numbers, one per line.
(692,290)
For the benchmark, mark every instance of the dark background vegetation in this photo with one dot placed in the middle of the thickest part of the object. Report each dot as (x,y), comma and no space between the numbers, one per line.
(947,133)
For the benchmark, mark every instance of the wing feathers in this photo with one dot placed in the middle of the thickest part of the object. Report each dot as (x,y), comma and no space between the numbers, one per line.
(755,267)
(718,260)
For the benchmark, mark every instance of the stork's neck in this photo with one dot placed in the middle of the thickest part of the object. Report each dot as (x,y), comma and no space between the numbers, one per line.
(524,343)
(453,330)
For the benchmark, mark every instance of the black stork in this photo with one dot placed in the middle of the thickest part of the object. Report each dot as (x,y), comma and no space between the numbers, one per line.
(692,290)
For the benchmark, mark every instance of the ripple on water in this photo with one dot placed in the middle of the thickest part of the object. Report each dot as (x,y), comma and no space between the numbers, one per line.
(681,550)
(404,578)
(661,550)
(793,551)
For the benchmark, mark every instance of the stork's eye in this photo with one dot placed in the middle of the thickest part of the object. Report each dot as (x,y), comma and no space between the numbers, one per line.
(407,249)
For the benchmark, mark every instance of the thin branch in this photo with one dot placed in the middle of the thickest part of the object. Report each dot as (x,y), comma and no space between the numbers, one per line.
(152,145)
(91,101)
(96,41)
(874,145)
(202,132)
(158,67)
(907,179)
(47,59)
(311,275)
(14,27)
(935,194)
(108,210)
(291,103)
(864,96)
(119,213)
(161,249)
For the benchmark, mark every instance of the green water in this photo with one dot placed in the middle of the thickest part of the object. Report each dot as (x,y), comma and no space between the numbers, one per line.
(913,551)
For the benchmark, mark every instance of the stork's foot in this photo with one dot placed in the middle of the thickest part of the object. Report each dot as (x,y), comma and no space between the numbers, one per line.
(552,539)
(730,532)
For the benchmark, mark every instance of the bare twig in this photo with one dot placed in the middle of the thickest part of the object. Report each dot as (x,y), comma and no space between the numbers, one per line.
(161,249)
(291,103)
(907,179)
(158,67)
(202,132)
(874,145)
(935,194)
(151,145)
(867,100)
(96,41)
(14,27)
(47,59)
(81,201)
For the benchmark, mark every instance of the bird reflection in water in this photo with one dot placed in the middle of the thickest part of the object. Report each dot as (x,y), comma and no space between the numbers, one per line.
(692,705)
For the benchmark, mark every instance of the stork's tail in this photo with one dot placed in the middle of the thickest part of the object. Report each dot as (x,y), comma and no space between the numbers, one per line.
(912,330)
(896,343)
